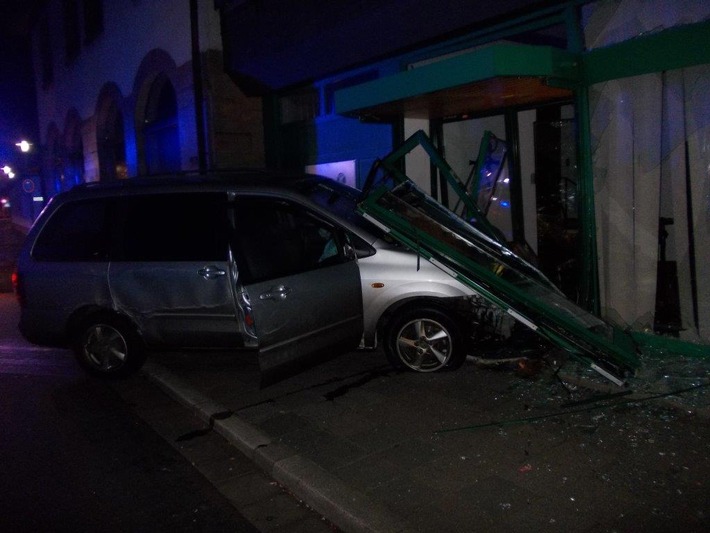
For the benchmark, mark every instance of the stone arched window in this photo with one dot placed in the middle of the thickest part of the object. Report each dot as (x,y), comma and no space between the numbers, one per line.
(54,162)
(160,127)
(73,153)
(110,135)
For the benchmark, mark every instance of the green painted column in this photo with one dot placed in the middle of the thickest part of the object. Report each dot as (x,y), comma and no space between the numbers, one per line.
(589,283)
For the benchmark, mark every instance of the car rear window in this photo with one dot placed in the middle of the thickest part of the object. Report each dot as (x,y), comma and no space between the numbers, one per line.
(173,227)
(77,231)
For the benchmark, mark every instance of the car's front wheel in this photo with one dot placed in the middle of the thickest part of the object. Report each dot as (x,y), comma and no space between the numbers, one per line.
(109,346)
(424,340)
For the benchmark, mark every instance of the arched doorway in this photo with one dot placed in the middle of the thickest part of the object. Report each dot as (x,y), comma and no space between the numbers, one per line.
(73,162)
(54,160)
(160,130)
(110,136)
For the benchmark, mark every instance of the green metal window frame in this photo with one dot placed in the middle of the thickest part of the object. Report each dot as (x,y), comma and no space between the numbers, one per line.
(674,48)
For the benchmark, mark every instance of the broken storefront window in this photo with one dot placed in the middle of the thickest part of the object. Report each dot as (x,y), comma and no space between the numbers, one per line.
(470,249)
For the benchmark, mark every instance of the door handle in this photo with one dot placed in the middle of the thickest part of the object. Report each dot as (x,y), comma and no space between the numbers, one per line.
(211,272)
(276,293)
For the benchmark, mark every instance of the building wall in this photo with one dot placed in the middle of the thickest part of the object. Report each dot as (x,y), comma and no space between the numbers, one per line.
(274,45)
(130,30)
(625,124)
(140,42)
(303,131)
(235,132)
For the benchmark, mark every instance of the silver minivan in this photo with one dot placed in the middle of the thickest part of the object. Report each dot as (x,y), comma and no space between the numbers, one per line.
(282,266)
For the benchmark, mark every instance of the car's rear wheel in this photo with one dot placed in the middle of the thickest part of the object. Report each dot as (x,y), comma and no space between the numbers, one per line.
(424,340)
(109,346)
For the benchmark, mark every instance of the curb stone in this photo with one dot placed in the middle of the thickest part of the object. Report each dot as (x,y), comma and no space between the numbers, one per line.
(348,509)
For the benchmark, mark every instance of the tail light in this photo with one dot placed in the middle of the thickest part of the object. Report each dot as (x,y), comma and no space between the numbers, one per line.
(17,285)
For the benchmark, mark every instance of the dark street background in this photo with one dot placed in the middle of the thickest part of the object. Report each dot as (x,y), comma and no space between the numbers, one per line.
(18,111)
(76,456)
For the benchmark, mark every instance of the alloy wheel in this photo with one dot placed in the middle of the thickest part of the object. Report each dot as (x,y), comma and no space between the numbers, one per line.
(424,345)
(105,348)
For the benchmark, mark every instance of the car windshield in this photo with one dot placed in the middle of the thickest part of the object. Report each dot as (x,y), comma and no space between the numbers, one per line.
(342,200)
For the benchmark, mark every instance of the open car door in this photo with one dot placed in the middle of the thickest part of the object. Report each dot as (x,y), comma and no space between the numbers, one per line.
(300,285)
(468,249)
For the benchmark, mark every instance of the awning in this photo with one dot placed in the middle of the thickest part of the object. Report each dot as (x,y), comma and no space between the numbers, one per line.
(493,77)
(275,45)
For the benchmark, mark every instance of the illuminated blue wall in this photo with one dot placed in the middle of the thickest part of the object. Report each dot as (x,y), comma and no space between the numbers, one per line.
(323,136)
(343,139)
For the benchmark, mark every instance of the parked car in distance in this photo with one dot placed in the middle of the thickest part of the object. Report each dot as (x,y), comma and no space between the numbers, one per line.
(280,265)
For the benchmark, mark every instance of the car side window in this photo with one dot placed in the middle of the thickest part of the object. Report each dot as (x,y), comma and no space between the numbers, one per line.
(173,227)
(76,232)
(274,238)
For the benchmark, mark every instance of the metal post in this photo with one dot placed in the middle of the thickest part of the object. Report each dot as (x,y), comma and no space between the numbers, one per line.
(198,87)
(589,284)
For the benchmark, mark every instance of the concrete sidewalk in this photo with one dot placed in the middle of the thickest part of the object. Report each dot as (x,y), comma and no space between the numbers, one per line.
(475,450)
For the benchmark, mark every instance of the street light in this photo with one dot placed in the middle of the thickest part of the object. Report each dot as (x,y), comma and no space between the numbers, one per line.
(8,171)
(24,145)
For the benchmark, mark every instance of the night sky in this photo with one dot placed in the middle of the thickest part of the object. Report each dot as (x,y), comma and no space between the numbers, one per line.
(17,94)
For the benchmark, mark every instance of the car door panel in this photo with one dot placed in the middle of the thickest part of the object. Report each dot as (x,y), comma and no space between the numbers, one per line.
(172,270)
(300,320)
(173,304)
(303,285)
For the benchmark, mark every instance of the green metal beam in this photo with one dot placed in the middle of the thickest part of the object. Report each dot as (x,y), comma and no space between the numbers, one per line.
(482,64)
(419,138)
(679,47)
(589,277)
(657,346)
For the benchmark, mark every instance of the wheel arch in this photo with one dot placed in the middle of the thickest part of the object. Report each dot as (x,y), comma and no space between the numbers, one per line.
(83,314)
(453,306)
(107,344)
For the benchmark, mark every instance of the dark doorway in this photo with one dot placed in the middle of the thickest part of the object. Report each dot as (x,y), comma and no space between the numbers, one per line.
(111,146)
(556,178)
(162,145)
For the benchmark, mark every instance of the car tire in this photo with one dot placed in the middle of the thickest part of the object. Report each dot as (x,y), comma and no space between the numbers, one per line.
(109,346)
(424,340)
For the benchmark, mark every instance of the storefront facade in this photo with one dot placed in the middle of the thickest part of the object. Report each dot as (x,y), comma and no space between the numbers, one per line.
(601,107)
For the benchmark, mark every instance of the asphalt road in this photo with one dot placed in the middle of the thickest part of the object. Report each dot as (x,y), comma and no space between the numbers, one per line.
(77,454)
(74,457)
